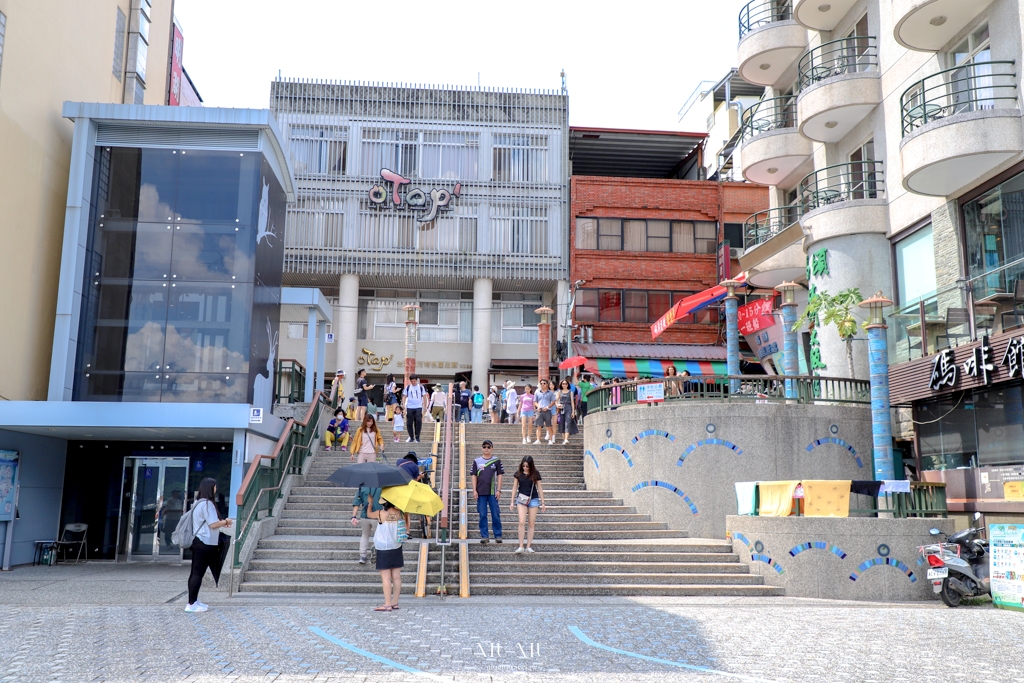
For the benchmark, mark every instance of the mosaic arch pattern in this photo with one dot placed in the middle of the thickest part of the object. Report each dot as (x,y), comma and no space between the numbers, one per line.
(593,457)
(878,561)
(818,545)
(838,442)
(758,557)
(708,442)
(665,485)
(620,449)
(654,432)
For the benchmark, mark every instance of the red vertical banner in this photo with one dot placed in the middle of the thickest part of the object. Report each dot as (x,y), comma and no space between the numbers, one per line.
(755,316)
(174,87)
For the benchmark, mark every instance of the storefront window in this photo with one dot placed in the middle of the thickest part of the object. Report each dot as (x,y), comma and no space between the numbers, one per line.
(983,427)
(994,233)
(915,266)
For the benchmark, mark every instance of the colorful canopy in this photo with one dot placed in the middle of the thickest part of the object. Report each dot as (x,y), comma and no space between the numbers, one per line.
(649,367)
(692,304)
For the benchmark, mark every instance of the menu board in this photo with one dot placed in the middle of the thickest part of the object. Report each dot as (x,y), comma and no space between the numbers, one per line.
(1006,565)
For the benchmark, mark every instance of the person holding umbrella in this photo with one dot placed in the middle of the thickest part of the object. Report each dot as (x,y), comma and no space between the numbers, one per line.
(207,549)
(365,507)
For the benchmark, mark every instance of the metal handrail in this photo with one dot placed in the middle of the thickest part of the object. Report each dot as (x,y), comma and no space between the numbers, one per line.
(804,389)
(855,54)
(963,88)
(296,439)
(842,183)
(758,13)
(764,225)
(771,114)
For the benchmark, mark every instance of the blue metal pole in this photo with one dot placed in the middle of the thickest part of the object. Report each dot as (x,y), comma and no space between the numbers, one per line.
(732,341)
(881,427)
(790,365)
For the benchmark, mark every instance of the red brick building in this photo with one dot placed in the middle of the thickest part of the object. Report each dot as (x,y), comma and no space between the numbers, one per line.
(644,234)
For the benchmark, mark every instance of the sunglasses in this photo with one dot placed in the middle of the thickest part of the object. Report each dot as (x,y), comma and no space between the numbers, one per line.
(487,447)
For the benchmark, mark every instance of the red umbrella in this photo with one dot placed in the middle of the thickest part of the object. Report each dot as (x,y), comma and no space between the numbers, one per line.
(573,362)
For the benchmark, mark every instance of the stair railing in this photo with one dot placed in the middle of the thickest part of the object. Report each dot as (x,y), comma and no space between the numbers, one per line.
(261,486)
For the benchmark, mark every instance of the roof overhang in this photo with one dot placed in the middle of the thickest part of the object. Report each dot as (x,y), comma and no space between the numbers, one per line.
(296,302)
(630,153)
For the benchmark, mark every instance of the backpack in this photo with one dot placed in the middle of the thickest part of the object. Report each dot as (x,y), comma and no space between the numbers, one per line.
(478,399)
(184,533)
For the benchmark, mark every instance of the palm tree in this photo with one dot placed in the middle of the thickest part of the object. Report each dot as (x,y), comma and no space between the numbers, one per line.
(835,309)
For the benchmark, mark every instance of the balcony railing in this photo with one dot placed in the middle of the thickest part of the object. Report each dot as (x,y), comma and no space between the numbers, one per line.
(752,388)
(764,225)
(842,183)
(758,13)
(987,304)
(770,114)
(856,54)
(975,86)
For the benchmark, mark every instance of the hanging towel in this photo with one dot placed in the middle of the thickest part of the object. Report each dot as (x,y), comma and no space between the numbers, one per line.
(866,487)
(776,498)
(746,498)
(826,498)
(894,486)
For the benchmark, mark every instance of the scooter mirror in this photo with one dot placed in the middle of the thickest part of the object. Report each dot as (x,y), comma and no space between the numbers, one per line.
(934,532)
(977,516)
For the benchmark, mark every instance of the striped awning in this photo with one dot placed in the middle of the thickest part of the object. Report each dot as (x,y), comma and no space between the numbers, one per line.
(650,367)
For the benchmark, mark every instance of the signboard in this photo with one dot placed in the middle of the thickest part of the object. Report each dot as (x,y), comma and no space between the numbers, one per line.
(330,337)
(8,484)
(755,316)
(1006,565)
(416,199)
(174,95)
(650,393)
(256,416)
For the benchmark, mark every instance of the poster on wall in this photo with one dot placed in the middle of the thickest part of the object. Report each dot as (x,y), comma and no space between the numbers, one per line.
(650,393)
(8,484)
(1006,565)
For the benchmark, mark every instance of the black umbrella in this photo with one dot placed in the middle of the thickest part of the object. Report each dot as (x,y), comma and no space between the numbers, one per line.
(370,474)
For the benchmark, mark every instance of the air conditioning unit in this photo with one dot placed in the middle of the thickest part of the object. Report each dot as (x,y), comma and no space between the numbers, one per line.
(735,252)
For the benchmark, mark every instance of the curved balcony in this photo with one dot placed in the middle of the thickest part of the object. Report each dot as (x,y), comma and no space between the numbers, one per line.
(770,41)
(927,25)
(958,125)
(840,85)
(772,247)
(844,199)
(821,15)
(772,147)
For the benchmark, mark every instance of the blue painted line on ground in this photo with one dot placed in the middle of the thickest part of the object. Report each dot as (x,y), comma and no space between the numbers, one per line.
(377,658)
(587,641)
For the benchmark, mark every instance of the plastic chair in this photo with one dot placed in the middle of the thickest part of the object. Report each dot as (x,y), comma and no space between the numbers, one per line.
(956,317)
(70,538)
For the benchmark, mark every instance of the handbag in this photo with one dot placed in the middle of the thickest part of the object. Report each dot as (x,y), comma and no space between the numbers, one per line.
(403,532)
(523,499)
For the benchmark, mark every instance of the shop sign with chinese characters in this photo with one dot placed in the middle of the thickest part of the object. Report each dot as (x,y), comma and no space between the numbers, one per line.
(430,202)
(946,372)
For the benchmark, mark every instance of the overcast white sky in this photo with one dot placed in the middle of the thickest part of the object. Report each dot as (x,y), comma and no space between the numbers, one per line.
(629,64)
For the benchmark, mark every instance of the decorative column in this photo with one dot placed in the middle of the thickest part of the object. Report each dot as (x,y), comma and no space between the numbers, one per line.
(790,364)
(410,340)
(878,362)
(543,343)
(732,333)
(310,355)
(346,324)
(482,305)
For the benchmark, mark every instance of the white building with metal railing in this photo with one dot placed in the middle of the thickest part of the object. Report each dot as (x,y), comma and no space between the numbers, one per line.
(454,199)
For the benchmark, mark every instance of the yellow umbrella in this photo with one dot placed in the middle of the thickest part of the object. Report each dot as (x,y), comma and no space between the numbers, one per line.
(414,497)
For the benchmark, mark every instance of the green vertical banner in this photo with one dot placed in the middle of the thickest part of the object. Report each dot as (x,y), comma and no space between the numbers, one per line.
(1006,565)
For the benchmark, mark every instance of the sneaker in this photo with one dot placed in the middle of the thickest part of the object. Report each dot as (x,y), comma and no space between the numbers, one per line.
(483,541)
(202,604)
(564,443)
(409,440)
(417,440)
(195,607)
(529,550)
(536,442)
(497,540)
(362,559)
(327,448)
(344,449)
(396,439)
(519,550)
(526,441)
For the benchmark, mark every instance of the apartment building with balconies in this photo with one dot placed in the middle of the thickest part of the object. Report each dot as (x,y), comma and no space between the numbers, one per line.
(892,137)
(451,199)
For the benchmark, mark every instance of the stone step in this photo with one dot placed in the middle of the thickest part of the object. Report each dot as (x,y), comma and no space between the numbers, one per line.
(570,516)
(538,563)
(583,576)
(408,587)
(344,503)
(624,589)
(679,544)
(331,490)
(305,529)
(642,523)
(479,556)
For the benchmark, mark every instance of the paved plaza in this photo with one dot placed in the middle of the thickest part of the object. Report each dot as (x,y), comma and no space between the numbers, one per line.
(104,622)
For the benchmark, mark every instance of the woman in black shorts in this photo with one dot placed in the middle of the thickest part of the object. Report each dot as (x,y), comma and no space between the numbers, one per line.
(389,555)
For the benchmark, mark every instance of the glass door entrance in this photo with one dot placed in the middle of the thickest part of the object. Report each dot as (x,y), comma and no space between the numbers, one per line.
(158,493)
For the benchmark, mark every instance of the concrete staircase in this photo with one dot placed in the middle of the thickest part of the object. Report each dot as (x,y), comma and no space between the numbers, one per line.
(587,542)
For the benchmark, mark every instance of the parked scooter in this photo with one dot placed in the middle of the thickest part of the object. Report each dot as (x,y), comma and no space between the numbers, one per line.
(958,568)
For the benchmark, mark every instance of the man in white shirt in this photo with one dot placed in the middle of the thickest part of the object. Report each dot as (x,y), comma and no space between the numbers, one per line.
(414,408)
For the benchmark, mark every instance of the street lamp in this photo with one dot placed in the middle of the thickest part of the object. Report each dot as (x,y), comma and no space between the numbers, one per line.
(878,362)
(791,366)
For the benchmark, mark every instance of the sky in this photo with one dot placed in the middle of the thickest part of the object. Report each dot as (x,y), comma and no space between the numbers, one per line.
(628,64)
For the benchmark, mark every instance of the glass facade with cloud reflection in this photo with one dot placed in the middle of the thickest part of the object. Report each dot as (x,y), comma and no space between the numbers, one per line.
(181,289)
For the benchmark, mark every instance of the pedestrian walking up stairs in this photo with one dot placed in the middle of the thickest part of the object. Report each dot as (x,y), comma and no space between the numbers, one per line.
(588,542)
(315,548)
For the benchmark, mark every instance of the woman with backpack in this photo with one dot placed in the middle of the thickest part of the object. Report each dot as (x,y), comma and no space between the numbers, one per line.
(388,538)
(206,552)
(367,443)
(390,398)
(476,403)
(527,496)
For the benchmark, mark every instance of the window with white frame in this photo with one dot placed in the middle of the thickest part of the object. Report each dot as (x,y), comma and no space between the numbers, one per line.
(451,155)
(390,148)
(971,85)
(444,316)
(319,150)
(451,232)
(315,223)
(514,320)
(385,230)
(519,157)
(519,229)
(301,330)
